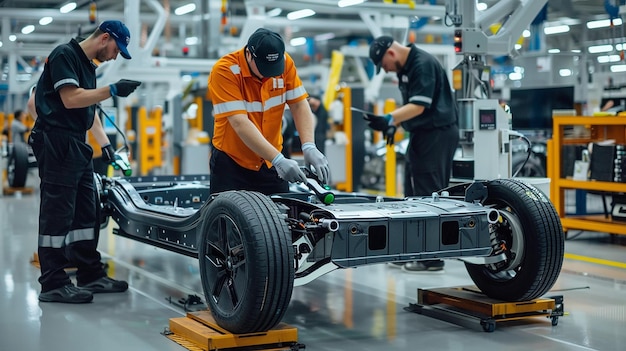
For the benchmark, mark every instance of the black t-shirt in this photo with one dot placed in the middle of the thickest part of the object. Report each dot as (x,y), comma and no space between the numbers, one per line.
(66,65)
(423,81)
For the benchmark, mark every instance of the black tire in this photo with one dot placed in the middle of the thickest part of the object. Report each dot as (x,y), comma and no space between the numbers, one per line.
(17,168)
(246,262)
(533,235)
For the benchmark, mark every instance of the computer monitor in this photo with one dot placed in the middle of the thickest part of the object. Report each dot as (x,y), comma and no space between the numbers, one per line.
(532,108)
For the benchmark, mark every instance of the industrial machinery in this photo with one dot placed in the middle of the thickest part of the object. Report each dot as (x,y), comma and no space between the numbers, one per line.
(484,125)
(253,249)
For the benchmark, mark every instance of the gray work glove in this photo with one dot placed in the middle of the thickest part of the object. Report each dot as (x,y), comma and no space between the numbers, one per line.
(288,169)
(123,87)
(314,157)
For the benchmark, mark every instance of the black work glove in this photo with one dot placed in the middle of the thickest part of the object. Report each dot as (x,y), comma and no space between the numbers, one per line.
(108,153)
(379,123)
(123,87)
(390,134)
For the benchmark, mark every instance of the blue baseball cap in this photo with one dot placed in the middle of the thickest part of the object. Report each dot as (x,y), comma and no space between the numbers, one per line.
(120,33)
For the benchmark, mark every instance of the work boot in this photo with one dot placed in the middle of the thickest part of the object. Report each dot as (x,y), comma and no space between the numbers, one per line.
(105,285)
(66,294)
(424,266)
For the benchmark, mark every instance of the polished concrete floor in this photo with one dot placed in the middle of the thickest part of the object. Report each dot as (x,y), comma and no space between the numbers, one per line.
(355,309)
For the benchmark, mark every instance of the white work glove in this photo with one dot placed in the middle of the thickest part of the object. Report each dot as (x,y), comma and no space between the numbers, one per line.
(313,157)
(288,169)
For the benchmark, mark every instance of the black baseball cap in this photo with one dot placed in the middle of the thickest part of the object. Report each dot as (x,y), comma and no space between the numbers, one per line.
(378,48)
(120,33)
(268,52)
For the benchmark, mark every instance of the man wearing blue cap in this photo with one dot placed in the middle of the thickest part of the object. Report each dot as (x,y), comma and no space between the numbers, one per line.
(249,89)
(65,101)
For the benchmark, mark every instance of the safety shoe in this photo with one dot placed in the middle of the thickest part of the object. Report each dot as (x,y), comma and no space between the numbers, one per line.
(66,294)
(424,266)
(105,285)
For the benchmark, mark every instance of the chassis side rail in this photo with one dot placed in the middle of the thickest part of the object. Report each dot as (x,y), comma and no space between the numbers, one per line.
(169,227)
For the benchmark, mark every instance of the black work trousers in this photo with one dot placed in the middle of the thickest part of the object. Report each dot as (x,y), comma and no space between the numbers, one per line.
(429,160)
(67,215)
(226,174)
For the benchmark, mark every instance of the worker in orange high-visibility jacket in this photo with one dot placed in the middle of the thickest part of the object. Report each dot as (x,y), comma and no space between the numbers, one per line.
(249,89)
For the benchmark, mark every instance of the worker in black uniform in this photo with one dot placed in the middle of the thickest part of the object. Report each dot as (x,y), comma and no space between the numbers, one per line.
(65,100)
(428,113)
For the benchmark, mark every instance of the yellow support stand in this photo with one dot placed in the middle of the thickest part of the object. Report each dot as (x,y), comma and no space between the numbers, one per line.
(149,139)
(348,185)
(468,304)
(390,164)
(336,64)
(199,329)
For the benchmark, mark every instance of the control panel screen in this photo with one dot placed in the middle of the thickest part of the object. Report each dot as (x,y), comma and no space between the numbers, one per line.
(487,119)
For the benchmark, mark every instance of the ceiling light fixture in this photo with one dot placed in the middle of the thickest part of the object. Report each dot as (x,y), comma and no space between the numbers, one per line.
(600,48)
(565,72)
(324,36)
(185,9)
(556,29)
(618,68)
(297,41)
(12,37)
(300,14)
(28,29)
(274,12)
(604,23)
(44,21)
(608,58)
(346,3)
(554,51)
(69,7)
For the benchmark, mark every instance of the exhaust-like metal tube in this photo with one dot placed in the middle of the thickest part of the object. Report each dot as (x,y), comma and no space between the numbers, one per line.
(493,216)
(330,224)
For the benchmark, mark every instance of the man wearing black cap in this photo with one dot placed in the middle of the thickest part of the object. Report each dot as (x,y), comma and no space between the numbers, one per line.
(429,115)
(249,89)
(65,101)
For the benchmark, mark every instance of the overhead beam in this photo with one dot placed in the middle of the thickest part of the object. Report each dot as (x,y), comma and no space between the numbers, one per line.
(330,7)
